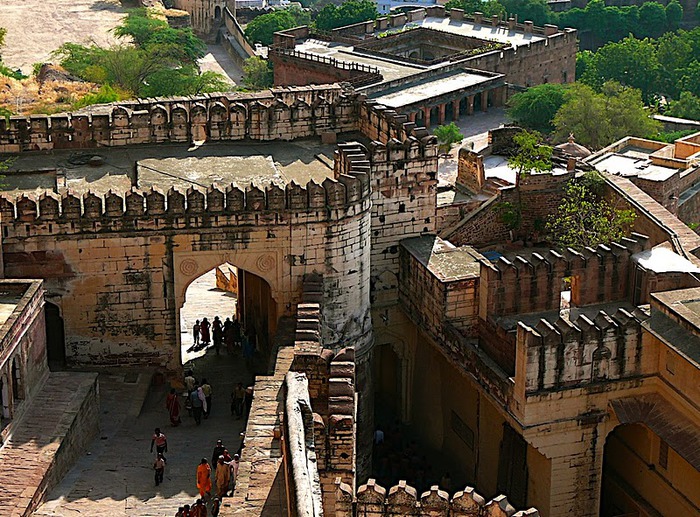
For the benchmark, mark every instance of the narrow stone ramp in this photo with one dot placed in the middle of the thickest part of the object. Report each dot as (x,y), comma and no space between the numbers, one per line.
(60,421)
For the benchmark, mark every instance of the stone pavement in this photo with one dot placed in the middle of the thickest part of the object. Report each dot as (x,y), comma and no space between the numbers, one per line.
(60,419)
(116,478)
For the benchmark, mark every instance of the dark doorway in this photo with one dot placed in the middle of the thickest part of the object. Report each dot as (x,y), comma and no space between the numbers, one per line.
(217,13)
(55,337)
(16,382)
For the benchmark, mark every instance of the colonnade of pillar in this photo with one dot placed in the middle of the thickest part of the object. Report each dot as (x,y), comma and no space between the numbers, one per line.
(497,99)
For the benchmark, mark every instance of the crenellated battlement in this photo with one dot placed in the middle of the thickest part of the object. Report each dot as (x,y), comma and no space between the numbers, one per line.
(373,500)
(153,209)
(276,114)
(562,353)
(534,283)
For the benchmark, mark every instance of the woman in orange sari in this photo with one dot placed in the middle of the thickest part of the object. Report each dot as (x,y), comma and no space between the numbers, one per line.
(204,478)
(173,406)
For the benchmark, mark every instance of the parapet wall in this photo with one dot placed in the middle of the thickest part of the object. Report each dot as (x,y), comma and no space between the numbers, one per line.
(373,500)
(154,210)
(277,114)
(534,284)
(565,353)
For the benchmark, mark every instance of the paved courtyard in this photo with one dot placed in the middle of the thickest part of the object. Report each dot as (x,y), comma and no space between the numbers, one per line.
(475,129)
(115,478)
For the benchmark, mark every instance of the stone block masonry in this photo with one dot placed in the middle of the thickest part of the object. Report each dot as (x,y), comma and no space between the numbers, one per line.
(61,420)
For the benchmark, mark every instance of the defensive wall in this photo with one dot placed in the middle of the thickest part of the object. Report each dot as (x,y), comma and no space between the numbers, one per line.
(234,40)
(530,363)
(277,114)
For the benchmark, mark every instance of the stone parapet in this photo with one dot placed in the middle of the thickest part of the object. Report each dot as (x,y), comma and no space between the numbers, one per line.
(276,114)
(373,500)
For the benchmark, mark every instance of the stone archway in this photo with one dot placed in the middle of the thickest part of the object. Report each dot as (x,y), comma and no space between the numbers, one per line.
(263,265)
(5,396)
(17,380)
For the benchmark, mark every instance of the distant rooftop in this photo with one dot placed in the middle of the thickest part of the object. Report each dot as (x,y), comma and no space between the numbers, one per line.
(474,30)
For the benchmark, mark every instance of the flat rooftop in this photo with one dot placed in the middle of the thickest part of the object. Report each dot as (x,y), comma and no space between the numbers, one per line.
(390,70)
(430,87)
(483,31)
(171,165)
(447,262)
(633,162)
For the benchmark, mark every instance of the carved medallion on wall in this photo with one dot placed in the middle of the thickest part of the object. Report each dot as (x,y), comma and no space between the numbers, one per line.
(189,267)
(265,263)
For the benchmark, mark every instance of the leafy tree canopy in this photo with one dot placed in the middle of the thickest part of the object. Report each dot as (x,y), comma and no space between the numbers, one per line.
(688,106)
(599,119)
(584,218)
(535,107)
(257,73)
(160,61)
(532,155)
(347,13)
(447,135)
(489,7)
(261,29)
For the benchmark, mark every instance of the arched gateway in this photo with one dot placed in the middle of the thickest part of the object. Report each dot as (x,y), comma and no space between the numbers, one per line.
(119,266)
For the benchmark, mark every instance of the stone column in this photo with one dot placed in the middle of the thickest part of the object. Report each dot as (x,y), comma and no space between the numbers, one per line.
(426,115)
(455,109)
(498,96)
(441,113)
(470,105)
(412,116)
(484,100)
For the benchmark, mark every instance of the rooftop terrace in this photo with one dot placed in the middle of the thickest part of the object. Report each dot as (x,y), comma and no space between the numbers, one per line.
(168,166)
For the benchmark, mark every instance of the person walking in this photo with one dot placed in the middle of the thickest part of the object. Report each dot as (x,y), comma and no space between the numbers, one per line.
(223,477)
(228,335)
(218,333)
(248,401)
(195,334)
(236,325)
(159,467)
(206,389)
(160,441)
(235,465)
(237,397)
(197,405)
(204,331)
(204,478)
(172,404)
(218,451)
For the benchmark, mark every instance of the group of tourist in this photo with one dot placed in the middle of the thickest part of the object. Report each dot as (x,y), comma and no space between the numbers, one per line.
(229,333)
(225,474)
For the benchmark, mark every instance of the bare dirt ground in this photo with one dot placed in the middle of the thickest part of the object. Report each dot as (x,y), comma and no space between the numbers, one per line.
(35,28)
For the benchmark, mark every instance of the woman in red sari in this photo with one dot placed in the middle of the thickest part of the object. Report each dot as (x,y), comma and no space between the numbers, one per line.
(173,406)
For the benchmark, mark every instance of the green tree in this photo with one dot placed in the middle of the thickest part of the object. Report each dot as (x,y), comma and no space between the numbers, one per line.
(674,14)
(652,20)
(489,7)
(674,54)
(630,62)
(690,81)
(536,11)
(139,26)
(598,119)
(584,218)
(688,106)
(532,156)
(257,73)
(261,29)
(535,107)
(347,13)
(447,135)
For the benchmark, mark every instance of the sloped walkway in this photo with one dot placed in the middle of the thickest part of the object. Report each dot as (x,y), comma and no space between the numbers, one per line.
(60,420)
(116,478)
